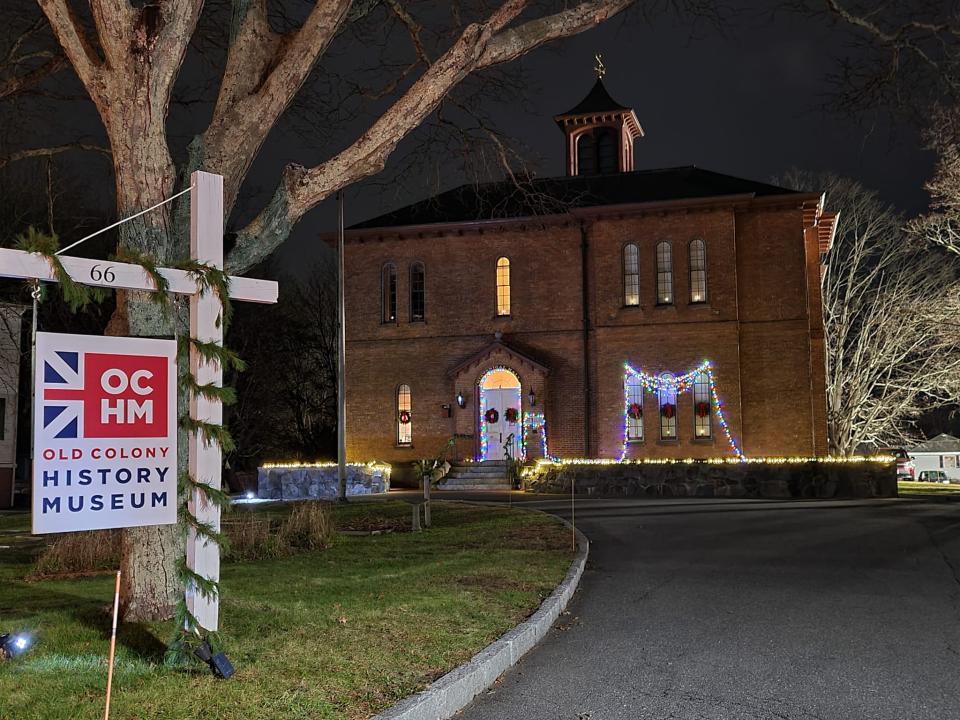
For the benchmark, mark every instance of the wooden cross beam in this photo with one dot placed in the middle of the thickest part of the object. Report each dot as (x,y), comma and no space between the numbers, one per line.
(206,246)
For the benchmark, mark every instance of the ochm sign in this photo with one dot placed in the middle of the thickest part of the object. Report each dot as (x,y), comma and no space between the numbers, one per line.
(105,433)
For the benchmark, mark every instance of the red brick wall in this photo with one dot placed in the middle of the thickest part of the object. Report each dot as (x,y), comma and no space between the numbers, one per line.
(756,328)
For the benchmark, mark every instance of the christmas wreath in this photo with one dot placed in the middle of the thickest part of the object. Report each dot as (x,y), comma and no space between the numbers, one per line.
(703,409)
(491,416)
(668,410)
(404,417)
(511,415)
(635,411)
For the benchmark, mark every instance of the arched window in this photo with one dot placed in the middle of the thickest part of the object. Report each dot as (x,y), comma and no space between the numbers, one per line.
(607,152)
(634,402)
(586,155)
(631,275)
(503,286)
(698,271)
(404,416)
(417,293)
(664,274)
(668,407)
(702,409)
(388,294)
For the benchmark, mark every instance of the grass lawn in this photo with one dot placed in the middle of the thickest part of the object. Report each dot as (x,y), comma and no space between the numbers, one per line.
(907,487)
(339,633)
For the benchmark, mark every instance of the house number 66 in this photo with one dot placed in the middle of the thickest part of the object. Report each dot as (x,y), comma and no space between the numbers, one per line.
(105,275)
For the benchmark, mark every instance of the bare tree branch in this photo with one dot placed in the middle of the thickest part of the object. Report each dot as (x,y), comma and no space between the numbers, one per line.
(479,46)
(50,151)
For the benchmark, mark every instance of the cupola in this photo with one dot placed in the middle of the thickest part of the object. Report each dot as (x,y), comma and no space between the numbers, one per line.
(599,132)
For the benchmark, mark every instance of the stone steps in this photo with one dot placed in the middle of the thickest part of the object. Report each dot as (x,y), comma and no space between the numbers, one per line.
(476,476)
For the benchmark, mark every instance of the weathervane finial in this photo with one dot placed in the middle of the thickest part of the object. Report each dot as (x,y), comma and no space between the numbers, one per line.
(600,69)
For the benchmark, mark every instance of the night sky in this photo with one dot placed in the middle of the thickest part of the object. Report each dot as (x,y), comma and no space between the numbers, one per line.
(746,100)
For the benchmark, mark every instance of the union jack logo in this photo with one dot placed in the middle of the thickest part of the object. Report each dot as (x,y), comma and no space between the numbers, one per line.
(63,386)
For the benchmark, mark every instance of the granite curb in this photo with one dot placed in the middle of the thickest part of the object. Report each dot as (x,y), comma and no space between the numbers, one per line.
(455,690)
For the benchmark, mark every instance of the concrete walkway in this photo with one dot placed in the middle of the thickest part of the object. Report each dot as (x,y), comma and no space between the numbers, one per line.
(721,609)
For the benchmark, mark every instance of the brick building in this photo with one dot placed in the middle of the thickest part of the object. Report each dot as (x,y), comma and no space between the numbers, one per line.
(490,310)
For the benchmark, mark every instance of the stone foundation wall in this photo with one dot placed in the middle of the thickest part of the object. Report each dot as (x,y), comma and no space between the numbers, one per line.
(319,482)
(743,480)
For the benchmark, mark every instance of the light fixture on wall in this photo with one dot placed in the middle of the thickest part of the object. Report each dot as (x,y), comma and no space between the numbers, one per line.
(532,397)
(461,400)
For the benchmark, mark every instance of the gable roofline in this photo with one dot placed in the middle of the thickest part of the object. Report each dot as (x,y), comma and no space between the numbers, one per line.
(498,344)
(575,215)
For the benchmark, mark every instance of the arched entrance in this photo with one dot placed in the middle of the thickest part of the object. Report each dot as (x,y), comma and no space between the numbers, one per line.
(500,408)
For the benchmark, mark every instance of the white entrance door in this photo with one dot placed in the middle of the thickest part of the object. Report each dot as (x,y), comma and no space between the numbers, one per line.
(497,433)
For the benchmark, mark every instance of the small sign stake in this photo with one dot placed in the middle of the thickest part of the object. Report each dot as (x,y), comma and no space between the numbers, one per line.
(113,646)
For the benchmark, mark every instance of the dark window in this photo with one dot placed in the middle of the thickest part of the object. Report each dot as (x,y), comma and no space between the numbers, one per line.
(631,275)
(702,427)
(698,271)
(634,397)
(668,407)
(586,155)
(389,294)
(3,418)
(607,152)
(664,274)
(417,293)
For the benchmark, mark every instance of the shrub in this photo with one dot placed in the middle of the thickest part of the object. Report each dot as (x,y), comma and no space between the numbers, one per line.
(308,527)
(78,553)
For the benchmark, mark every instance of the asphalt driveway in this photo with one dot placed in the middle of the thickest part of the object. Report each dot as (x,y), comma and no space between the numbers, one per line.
(719,609)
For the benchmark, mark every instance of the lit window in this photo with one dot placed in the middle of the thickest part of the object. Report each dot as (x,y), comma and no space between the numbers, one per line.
(664,274)
(388,294)
(668,407)
(417,292)
(634,400)
(503,286)
(586,155)
(698,271)
(702,427)
(404,416)
(631,275)
(607,152)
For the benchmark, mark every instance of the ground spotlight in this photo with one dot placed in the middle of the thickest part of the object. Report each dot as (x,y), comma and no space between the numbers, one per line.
(218,662)
(250,495)
(14,644)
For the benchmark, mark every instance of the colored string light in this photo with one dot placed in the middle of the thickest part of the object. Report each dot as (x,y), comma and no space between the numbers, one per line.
(675,384)
(534,422)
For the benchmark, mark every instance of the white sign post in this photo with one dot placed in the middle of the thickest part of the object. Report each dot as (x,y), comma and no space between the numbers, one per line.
(206,245)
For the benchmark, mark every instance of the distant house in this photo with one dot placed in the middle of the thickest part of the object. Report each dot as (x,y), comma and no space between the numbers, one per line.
(940,453)
(10,318)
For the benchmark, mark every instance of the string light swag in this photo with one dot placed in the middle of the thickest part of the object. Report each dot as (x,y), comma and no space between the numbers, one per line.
(673,385)
(483,414)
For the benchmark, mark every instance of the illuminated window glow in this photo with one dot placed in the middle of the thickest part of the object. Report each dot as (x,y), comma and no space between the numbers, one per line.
(702,411)
(633,391)
(503,286)
(404,405)
(668,407)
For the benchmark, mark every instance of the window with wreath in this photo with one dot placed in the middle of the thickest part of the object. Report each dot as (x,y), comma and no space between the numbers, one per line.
(388,294)
(503,286)
(404,416)
(634,402)
(631,275)
(698,271)
(664,274)
(702,410)
(668,407)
